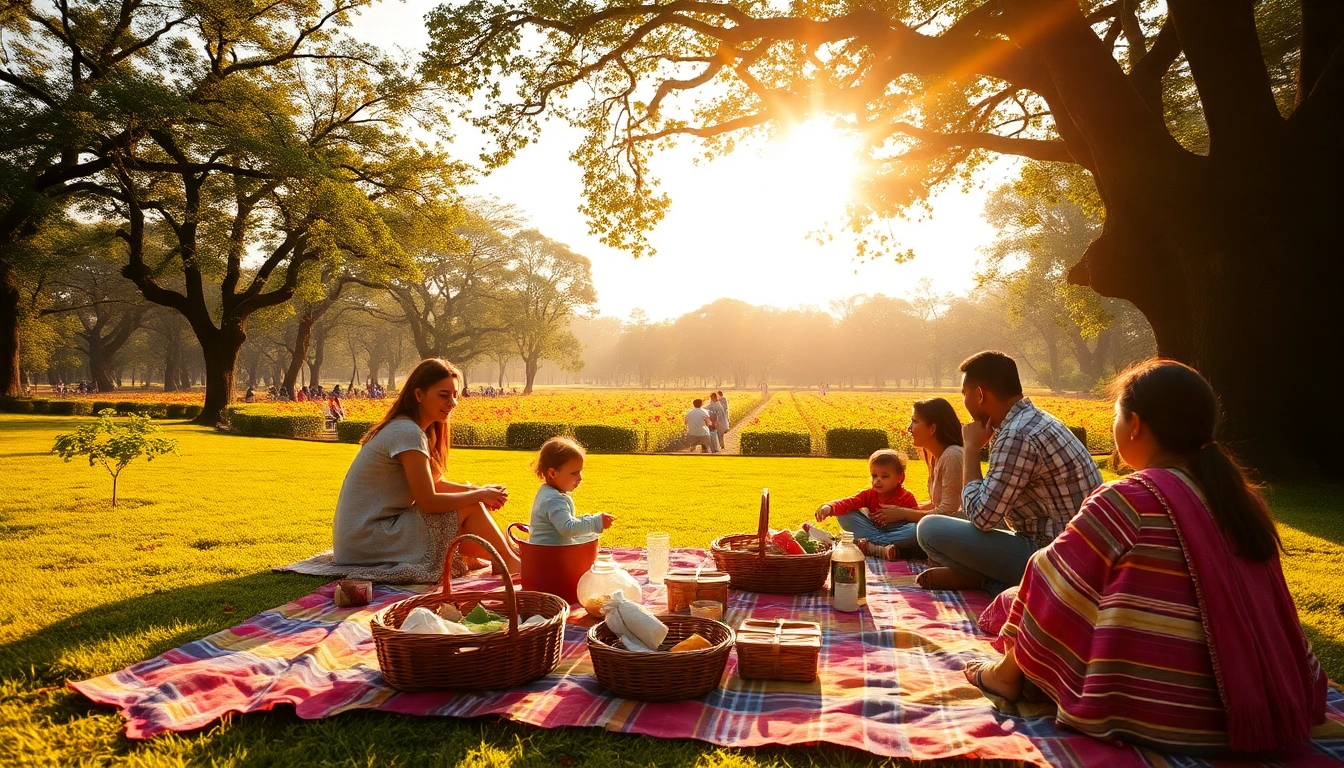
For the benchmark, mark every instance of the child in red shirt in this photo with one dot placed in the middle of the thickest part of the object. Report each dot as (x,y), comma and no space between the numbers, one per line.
(862,513)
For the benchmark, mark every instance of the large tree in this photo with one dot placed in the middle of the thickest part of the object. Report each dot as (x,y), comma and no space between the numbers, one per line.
(90,289)
(1214,130)
(545,286)
(67,69)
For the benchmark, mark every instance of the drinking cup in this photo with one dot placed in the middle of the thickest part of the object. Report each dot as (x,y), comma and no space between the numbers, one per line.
(658,551)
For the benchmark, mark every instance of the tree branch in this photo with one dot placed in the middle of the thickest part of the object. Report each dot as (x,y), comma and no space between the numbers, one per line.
(1221,44)
(1322,36)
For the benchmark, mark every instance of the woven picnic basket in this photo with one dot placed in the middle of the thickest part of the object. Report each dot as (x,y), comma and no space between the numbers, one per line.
(490,661)
(745,557)
(662,676)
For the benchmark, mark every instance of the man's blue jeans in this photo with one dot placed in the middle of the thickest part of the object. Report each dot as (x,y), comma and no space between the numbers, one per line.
(995,558)
(901,534)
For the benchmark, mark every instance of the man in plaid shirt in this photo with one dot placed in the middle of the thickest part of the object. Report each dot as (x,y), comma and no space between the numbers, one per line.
(1039,475)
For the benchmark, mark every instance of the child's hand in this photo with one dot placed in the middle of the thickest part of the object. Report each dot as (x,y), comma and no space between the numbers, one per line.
(607,520)
(823,512)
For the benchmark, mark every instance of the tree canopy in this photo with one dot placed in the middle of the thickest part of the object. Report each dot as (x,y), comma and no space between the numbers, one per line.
(1212,129)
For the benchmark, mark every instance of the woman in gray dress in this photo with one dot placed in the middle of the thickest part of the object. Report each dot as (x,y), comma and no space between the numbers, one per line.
(396,513)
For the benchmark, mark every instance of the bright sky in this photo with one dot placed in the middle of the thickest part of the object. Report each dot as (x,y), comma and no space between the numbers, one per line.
(739,226)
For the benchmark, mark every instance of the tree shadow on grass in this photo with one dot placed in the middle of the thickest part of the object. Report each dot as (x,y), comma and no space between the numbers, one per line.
(1312,508)
(108,637)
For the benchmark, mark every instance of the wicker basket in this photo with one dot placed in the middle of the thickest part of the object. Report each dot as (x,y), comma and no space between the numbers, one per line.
(495,660)
(662,676)
(778,649)
(686,585)
(745,557)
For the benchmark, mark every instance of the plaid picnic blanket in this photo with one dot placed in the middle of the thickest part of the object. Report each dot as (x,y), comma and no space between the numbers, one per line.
(890,681)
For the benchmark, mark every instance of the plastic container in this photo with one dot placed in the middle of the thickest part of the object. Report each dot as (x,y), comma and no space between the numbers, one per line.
(849,575)
(595,586)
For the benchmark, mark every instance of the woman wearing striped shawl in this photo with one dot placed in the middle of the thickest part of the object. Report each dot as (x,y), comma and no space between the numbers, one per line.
(1160,616)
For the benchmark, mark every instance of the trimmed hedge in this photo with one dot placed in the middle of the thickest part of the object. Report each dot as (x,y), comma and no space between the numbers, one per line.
(175,411)
(16,404)
(600,438)
(844,443)
(248,421)
(191,411)
(352,431)
(70,408)
(101,405)
(41,406)
(464,434)
(775,443)
(529,435)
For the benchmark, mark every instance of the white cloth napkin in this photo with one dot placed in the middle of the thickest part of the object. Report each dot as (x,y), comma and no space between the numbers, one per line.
(423,621)
(638,629)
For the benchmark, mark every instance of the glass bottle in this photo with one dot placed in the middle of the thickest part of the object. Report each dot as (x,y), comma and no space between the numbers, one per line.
(849,575)
(595,586)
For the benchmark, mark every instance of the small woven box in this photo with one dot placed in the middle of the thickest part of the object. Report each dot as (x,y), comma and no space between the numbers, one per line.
(686,585)
(778,649)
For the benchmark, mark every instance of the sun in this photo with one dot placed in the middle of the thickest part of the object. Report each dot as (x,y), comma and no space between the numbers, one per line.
(812,168)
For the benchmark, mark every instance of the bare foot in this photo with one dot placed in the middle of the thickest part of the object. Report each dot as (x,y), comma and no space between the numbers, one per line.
(945,578)
(991,679)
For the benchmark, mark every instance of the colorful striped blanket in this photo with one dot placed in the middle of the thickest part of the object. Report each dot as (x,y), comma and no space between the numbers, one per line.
(890,681)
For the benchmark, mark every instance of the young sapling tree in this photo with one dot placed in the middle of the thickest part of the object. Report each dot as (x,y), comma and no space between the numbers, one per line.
(114,444)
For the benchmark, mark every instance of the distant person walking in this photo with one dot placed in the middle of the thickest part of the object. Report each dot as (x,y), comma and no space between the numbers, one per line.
(723,425)
(718,413)
(697,427)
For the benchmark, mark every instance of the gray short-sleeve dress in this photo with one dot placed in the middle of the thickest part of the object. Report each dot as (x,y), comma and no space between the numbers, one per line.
(378,528)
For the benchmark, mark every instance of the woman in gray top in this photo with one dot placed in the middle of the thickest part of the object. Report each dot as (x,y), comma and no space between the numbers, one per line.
(936,431)
(396,514)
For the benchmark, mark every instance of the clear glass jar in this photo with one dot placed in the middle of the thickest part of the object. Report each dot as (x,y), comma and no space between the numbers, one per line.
(595,586)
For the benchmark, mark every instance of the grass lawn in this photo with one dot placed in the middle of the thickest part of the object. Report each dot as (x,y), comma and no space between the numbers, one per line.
(188,551)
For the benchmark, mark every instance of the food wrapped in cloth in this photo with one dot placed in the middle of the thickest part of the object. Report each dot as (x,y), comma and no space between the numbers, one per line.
(638,629)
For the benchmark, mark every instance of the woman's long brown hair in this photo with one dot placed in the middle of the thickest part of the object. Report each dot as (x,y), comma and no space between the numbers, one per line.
(946,426)
(429,372)
(1181,409)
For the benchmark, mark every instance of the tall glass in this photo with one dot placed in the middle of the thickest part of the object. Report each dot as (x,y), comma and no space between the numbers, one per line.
(658,551)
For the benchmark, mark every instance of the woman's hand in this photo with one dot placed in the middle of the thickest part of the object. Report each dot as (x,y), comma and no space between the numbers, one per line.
(607,520)
(823,512)
(492,496)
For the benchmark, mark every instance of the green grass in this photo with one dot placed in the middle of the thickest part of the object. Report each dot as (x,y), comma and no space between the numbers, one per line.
(91,588)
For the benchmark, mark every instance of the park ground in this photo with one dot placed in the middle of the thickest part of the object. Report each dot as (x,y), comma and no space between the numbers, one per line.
(89,588)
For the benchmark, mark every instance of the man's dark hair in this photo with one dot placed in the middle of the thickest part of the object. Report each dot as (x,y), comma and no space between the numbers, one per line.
(697,402)
(993,371)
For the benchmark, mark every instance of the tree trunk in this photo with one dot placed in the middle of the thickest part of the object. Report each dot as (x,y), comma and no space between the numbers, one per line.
(172,358)
(530,368)
(302,339)
(319,346)
(10,381)
(221,360)
(1092,362)
(1236,271)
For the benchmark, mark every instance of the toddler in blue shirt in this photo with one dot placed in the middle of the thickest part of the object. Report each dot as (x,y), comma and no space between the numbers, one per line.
(554,521)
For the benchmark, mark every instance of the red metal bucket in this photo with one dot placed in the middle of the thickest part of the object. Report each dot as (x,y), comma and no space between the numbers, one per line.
(554,569)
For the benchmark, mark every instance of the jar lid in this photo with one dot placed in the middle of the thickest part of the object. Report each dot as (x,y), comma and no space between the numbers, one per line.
(694,576)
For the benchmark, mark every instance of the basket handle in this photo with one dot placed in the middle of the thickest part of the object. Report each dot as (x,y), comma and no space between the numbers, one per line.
(764,527)
(510,601)
(513,540)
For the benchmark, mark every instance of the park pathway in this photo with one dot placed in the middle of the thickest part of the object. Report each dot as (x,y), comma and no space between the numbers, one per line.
(731,443)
